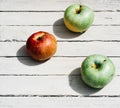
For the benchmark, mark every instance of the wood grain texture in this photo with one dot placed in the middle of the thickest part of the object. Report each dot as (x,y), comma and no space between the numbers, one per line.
(54,85)
(64,102)
(52,67)
(51,18)
(36,5)
(56,5)
(94,33)
(65,49)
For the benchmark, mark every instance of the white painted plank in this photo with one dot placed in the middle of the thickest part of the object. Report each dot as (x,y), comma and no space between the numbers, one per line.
(36,5)
(88,48)
(24,66)
(43,5)
(54,85)
(102,5)
(65,48)
(18,33)
(55,66)
(50,18)
(64,102)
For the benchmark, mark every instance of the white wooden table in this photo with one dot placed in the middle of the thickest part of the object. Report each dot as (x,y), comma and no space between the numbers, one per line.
(56,83)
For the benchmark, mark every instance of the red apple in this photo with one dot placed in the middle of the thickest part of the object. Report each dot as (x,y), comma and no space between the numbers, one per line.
(41,45)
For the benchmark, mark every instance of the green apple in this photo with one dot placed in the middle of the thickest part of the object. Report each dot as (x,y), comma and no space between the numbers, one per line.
(78,18)
(97,70)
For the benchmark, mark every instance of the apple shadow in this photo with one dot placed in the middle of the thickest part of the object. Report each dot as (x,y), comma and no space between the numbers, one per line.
(78,85)
(25,59)
(62,32)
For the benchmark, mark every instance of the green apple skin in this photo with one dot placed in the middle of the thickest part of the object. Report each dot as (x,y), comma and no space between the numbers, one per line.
(78,18)
(97,70)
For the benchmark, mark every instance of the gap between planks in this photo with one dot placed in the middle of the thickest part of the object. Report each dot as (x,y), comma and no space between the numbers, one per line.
(30,95)
(15,40)
(54,11)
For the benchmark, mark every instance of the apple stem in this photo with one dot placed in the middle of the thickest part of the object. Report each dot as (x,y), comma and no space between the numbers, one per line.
(39,38)
(105,60)
(96,65)
(78,10)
